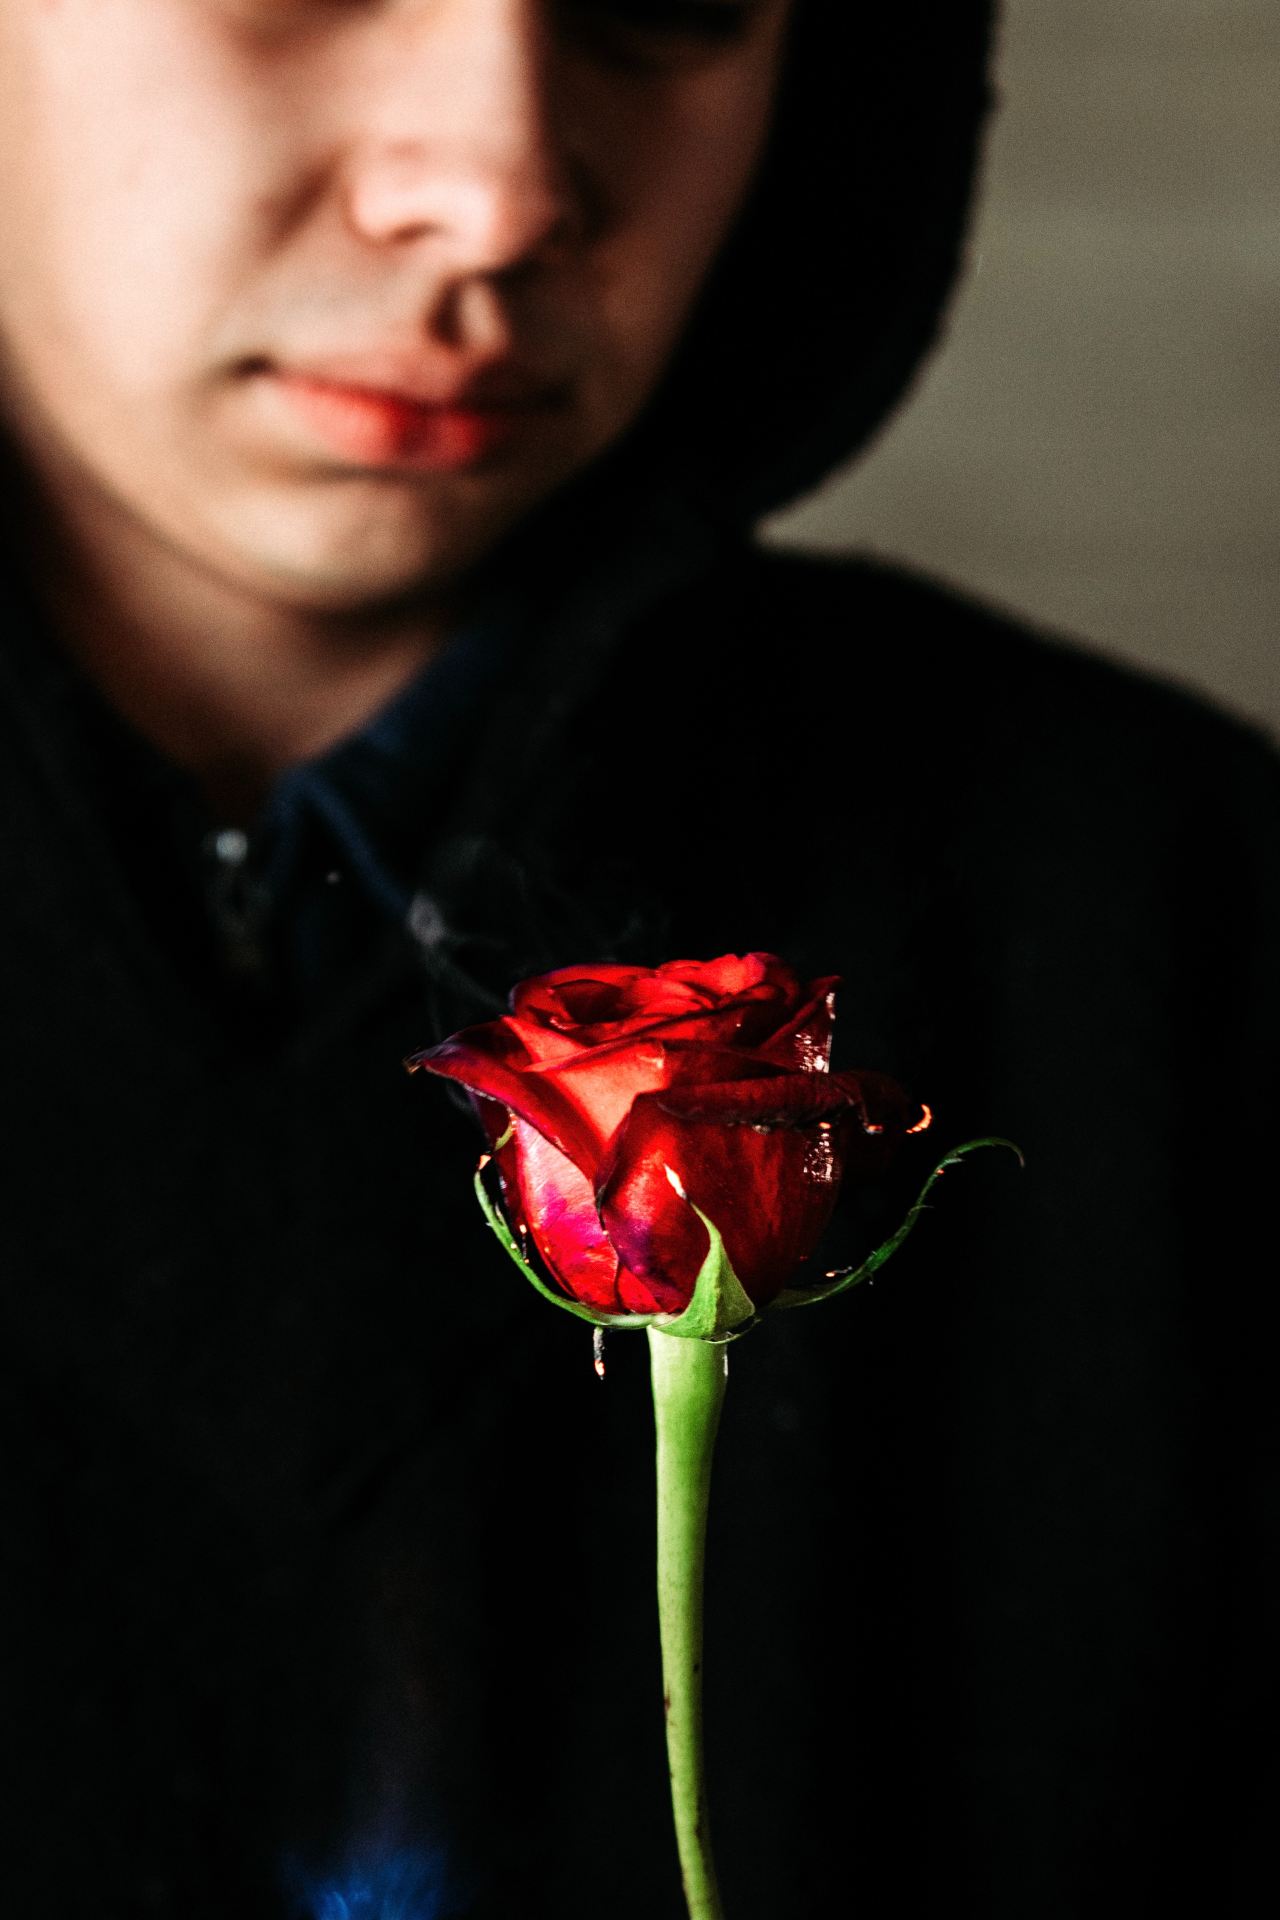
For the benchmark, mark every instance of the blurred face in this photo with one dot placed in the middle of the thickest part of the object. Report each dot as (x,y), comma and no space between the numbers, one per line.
(324,295)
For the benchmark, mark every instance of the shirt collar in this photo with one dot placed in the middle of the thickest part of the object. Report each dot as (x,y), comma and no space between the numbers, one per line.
(371,798)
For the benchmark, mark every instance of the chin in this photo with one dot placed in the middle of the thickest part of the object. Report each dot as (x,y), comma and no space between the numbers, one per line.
(339,564)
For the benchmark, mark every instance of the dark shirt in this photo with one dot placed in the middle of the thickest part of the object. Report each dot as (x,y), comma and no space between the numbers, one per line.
(338,844)
(271,917)
(323,1549)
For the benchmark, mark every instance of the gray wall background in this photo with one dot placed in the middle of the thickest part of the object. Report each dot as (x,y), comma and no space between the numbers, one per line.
(1097,445)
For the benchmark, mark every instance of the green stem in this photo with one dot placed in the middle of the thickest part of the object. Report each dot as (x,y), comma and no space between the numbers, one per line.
(688,1390)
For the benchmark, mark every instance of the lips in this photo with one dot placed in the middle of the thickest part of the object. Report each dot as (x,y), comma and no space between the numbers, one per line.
(379,411)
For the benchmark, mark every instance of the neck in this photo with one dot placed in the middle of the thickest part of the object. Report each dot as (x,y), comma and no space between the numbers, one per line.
(229,685)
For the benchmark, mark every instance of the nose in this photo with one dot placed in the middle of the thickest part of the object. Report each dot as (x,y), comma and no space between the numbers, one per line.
(460,140)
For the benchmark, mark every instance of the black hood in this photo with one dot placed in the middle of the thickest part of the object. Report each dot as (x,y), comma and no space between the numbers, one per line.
(833,286)
(823,306)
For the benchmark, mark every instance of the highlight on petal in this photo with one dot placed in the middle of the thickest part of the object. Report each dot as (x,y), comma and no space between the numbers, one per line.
(559,1206)
(733,974)
(603,1035)
(804,1041)
(599,1083)
(771,1193)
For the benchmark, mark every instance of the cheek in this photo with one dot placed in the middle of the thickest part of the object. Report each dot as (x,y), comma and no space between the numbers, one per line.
(127,166)
(676,179)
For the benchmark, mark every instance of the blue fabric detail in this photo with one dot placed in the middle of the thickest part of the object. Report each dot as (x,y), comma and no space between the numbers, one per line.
(363,812)
(406,1884)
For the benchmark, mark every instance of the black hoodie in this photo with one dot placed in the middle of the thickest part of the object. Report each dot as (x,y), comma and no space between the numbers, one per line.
(326,1559)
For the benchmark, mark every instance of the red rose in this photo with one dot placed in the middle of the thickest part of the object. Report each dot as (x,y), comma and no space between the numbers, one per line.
(600,1079)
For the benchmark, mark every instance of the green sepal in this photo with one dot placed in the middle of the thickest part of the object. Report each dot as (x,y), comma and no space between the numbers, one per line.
(841,1282)
(719,1309)
(575,1307)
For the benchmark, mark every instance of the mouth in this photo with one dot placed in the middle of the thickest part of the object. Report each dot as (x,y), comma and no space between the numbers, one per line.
(378,416)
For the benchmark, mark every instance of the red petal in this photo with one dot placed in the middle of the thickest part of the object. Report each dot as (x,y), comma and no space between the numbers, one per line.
(879,1103)
(796,1100)
(743,1020)
(770,1194)
(756,994)
(556,1200)
(736,973)
(588,996)
(491,1060)
(804,1041)
(599,1083)
(559,1208)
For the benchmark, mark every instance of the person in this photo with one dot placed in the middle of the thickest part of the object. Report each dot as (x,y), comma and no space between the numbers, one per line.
(390,394)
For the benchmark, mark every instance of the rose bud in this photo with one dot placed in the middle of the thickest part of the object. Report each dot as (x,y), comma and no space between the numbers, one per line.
(620,1102)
